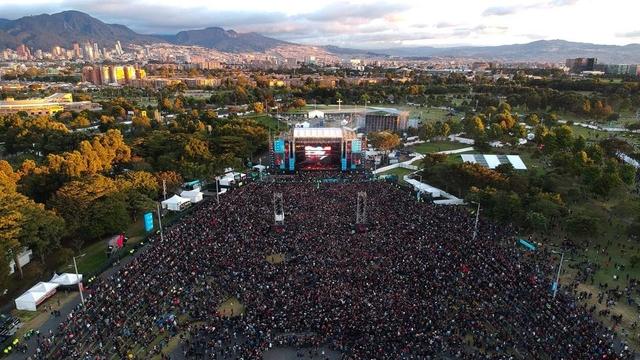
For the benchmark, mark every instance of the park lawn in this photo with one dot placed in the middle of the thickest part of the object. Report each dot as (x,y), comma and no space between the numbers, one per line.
(400,172)
(436,146)
(609,247)
(231,308)
(95,254)
(267,121)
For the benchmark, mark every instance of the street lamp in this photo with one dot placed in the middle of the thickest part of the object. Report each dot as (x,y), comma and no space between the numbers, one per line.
(160,222)
(75,265)
(556,283)
(475,227)
(218,190)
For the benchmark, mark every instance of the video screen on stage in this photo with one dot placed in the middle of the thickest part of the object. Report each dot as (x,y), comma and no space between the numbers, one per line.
(317,156)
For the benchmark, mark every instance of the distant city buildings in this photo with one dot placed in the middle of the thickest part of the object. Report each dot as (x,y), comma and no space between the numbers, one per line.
(50,105)
(590,66)
(579,65)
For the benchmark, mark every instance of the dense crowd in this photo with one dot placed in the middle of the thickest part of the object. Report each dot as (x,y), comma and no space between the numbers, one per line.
(413,286)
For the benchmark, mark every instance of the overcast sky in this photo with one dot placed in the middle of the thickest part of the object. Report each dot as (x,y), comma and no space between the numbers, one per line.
(369,24)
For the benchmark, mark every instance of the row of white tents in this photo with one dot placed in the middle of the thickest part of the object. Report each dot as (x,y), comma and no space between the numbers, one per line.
(44,290)
(180,202)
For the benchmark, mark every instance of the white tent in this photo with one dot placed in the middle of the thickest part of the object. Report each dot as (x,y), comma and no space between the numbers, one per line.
(316,114)
(175,203)
(35,296)
(194,195)
(259,168)
(66,279)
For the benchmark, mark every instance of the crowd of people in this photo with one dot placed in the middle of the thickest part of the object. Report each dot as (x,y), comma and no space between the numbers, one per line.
(415,285)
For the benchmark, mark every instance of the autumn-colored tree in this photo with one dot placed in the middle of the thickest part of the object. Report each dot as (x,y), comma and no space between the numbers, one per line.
(258,107)
(172,180)
(299,103)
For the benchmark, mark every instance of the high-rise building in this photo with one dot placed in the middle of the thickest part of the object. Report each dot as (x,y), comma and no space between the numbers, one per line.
(77,52)
(23,51)
(88,51)
(129,73)
(106,75)
(119,48)
(96,51)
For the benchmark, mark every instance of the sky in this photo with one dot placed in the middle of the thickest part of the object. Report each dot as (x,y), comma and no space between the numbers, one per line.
(369,24)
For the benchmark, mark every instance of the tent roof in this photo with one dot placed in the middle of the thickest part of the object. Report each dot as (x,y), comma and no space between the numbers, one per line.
(175,199)
(66,279)
(38,291)
(187,193)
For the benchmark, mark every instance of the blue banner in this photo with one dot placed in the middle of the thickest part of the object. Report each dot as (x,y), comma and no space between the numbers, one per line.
(527,244)
(292,164)
(278,146)
(356,146)
(148,221)
(344,164)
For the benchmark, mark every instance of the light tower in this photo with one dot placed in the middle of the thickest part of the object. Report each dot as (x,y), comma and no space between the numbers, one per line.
(278,212)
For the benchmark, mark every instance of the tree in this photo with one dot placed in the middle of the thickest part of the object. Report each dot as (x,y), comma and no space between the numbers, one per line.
(532,119)
(107,216)
(299,103)
(258,107)
(41,230)
(172,180)
(475,127)
(11,219)
(74,200)
(140,124)
(384,140)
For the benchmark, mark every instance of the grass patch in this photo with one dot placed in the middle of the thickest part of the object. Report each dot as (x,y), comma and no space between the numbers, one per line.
(400,172)
(436,146)
(275,258)
(267,121)
(231,308)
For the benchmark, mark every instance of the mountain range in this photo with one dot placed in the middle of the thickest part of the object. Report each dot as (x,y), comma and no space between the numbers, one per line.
(64,28)
(537,51)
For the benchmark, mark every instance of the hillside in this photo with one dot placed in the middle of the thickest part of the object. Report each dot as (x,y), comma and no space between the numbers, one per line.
(543,50)
(224,40)
(63,29)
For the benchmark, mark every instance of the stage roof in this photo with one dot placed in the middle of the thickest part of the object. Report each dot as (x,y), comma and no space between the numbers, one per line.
(318,133)
(342,134)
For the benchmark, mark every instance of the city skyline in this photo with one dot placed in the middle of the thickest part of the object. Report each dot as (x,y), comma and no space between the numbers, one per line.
(371,25)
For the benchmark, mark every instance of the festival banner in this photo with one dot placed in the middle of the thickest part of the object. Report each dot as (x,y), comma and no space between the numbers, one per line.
(148,221)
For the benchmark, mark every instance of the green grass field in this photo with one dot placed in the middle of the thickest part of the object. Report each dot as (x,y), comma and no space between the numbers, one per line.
(400,172)
(436,146)
(267,121)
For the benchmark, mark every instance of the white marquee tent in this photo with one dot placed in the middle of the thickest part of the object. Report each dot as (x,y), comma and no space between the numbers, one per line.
(175,203)
(35,296)
(194,195)
(66,279)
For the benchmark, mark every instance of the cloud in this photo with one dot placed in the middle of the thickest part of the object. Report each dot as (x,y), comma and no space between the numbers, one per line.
(501,10)
(347,11)
(444,25)
(513,9)
(630,34)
